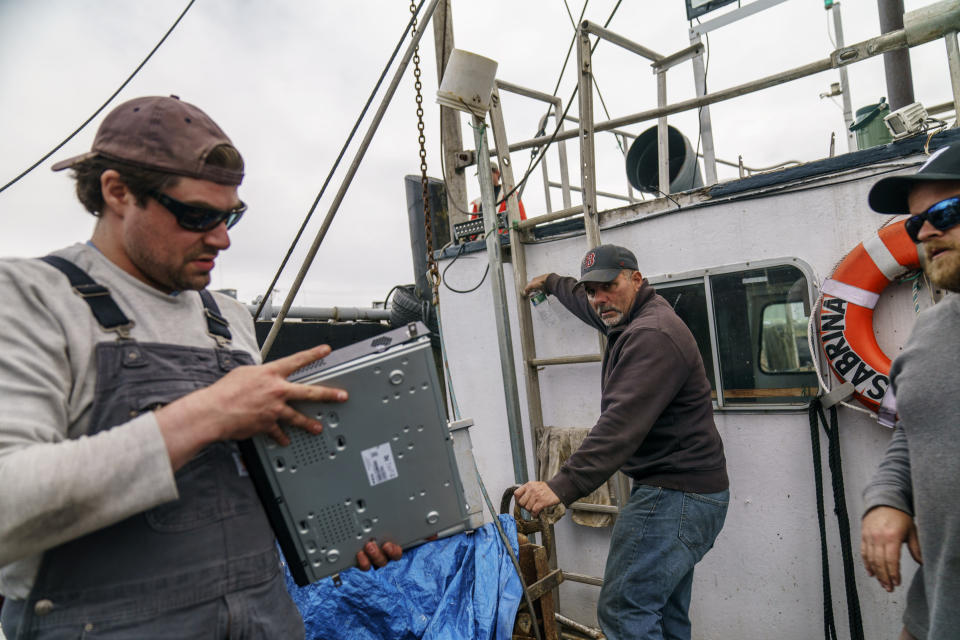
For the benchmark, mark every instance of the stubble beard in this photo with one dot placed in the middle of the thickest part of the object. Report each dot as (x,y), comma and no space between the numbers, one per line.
(944,271)
(171,277)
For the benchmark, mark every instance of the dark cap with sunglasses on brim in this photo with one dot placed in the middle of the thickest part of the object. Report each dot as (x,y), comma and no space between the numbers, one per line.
(889,195)
(162,134)
(605,262)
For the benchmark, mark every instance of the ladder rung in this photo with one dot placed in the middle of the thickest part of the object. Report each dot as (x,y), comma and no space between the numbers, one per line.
(550,217)
(582,579)
(595,508)
(543,362)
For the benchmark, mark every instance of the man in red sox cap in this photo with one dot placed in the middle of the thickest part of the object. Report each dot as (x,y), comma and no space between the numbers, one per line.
(656,425)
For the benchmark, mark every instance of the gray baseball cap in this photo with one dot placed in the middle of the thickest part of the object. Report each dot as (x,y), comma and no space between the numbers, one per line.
(161,134)
(604,263)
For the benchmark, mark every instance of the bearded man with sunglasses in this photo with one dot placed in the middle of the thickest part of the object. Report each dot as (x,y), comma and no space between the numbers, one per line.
(912,497)
(124,384)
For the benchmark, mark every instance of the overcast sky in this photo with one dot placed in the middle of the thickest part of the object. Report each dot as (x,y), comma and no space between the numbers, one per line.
(286,79)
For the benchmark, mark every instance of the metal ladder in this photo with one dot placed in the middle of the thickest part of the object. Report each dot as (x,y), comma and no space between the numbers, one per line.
(517,229)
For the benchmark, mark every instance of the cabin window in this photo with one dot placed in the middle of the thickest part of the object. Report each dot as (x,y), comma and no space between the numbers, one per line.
(751,327)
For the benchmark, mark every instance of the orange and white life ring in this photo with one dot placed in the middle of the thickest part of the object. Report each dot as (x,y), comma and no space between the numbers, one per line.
(846,312)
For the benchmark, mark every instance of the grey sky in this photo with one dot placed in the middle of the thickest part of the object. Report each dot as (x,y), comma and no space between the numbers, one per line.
(286,79)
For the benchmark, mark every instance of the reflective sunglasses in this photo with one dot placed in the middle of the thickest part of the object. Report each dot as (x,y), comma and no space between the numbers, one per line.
(943,215)
(196,218)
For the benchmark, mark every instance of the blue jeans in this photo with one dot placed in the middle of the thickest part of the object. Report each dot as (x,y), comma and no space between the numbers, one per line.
(658,538)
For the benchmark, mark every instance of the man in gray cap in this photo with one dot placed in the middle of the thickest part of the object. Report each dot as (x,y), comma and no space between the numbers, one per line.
(912,497)
(126,511)
(656,425)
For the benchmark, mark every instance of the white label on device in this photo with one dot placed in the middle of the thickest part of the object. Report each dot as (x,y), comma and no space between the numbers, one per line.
(379,463)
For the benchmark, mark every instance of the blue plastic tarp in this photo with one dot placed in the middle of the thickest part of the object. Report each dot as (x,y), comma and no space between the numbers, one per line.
(464,586)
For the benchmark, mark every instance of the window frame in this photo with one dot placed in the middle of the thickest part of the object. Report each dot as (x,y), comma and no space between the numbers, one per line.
(702,276)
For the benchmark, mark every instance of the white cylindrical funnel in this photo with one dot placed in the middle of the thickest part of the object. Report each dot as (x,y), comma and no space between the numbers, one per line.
(468,82)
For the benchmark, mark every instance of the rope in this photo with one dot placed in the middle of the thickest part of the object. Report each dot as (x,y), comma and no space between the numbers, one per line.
(840,507)
(843,520)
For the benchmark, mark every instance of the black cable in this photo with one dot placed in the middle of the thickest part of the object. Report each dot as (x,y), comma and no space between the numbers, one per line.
(665,195)
(443,275)
(336,163)
(104,105)
(829,623)
(840,507)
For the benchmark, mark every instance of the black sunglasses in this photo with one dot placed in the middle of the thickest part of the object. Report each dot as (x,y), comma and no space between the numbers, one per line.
(943,215)
(196,218)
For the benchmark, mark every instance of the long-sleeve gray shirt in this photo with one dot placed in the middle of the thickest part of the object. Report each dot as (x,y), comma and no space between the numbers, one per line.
(921,466)
(656,420)
(56,483)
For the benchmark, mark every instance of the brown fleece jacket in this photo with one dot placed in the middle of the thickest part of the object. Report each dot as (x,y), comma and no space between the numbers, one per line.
(656,421)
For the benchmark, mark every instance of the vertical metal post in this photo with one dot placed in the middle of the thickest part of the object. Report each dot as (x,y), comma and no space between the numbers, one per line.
(562,155)
(706,126)
(896,63)
(588,170)
(844,79)
(663,140)
(504,340)
(548,204)
(451,137)
(953,60)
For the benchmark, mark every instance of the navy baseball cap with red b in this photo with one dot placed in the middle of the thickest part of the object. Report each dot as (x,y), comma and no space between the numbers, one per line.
(163,134)
(604,263)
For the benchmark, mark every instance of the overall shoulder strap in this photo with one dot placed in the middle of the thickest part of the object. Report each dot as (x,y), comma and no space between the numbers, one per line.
(98,298)
(217,325)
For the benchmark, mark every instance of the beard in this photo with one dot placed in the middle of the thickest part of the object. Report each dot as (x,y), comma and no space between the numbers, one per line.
(610,321)
(943,269)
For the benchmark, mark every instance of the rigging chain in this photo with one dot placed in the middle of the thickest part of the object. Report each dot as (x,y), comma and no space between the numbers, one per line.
(433,272)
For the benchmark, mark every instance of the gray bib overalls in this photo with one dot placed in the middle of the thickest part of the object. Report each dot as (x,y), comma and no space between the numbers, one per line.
(203,566)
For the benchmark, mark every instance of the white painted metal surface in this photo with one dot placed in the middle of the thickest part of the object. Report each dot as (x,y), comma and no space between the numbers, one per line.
(763,578)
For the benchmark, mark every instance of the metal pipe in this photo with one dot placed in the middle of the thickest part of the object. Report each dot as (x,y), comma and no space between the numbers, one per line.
(588,169)
(501,313)
(543,362)
(526,92)
(674,59)
(336,314)
(844,79)
(605,194)
(663,144)
(953,60)
(703,116)
(595,508)
(855,53)
(615,38)
(737,14)
(582,579)
(550,217)
(348,178)
(576,626)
